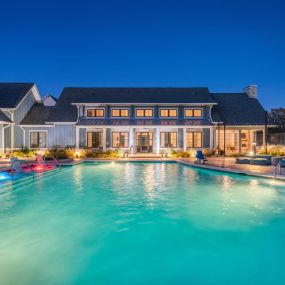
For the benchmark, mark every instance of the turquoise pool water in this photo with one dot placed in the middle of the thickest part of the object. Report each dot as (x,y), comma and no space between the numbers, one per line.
(143,223)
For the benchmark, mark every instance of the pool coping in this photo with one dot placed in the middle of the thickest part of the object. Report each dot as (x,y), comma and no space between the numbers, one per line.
(184,162)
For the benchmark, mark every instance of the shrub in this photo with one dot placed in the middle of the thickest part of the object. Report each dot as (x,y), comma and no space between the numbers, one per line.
(274,150)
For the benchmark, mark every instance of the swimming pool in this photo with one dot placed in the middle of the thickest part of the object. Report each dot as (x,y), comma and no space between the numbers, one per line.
(143,223)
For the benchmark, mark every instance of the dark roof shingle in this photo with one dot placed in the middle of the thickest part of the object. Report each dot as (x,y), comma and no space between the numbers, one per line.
(38,115)
(4,118)
(140,95)
(66,112)
(237,109)
(11,94)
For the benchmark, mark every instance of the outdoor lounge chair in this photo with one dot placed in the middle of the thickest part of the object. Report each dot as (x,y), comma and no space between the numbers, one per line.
(200,158)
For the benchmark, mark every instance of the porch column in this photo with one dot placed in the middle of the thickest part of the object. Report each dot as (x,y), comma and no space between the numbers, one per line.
(264,132)
(131,140)
(252,148)
(184,139)
(157,140)
(77,137)
(212,135)
(239,141)
(104,139)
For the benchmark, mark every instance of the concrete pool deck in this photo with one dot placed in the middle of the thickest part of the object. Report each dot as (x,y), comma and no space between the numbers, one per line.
(224,164)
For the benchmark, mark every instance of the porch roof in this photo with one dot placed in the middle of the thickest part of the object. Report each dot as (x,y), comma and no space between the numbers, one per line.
(142,122)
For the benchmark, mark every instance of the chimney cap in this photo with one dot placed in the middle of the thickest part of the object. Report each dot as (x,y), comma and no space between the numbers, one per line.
(251,90)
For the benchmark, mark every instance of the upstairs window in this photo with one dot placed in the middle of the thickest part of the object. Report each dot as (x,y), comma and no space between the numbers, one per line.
(144,113)
(120,112)
(95,113)
(38,139)
(168,113)
(193,113)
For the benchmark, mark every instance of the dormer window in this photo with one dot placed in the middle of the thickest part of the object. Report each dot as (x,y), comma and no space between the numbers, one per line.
(193,113)
(168,113)
(120,113)
(95,113)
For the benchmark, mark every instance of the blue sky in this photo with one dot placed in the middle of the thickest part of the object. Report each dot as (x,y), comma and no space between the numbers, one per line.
(223,45)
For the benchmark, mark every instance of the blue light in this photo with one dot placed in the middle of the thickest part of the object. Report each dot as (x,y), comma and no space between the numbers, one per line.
(4,176)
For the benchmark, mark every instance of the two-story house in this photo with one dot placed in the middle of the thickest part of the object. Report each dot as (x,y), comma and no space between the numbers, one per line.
(147,120)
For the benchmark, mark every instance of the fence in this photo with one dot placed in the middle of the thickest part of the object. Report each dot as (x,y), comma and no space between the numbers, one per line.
(275,139)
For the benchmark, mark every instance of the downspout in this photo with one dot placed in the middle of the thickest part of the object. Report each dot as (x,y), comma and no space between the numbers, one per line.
(218,139)
(24,136)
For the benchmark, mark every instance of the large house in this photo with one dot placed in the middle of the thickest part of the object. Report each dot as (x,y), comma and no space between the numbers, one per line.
(147,120)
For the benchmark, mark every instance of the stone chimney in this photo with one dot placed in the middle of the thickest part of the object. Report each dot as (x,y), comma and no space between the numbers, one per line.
(251,91)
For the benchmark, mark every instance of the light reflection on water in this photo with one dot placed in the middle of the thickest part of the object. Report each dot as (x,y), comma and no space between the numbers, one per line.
(89,223)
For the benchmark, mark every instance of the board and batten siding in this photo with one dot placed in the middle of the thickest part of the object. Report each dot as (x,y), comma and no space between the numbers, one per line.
(206,138)
(57,136)
(19,114)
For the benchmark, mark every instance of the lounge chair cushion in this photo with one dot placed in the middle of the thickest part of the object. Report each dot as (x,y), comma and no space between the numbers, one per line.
(260,161)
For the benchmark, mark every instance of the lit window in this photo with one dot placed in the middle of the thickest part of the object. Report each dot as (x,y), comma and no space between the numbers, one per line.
(120,139)
(144,112)
(194,140)
(168,139)
(168,112)
(120,112)
(95,112)
(194,113)
(38,139)
(94,139)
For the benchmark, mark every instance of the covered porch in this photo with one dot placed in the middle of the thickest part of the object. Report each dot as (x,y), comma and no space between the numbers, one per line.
(239,139)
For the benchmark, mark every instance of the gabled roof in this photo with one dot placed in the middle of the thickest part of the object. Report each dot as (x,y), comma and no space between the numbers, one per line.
(140,95)
(237,109)
(11,94)
(4,118)
(66,112)
(38,115)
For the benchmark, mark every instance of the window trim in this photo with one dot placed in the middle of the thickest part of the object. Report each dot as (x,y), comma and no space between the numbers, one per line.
(144,108)
(164,108)
(38,131)
(160,140)
(112,143)
(120,117)
(104,112)
(193,117)
(193,132)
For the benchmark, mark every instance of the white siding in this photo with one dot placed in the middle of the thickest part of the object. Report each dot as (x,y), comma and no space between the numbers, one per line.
(58,136)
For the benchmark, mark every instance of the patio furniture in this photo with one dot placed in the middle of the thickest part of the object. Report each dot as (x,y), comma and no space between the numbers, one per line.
(200,158)
(260,161)
(243,160)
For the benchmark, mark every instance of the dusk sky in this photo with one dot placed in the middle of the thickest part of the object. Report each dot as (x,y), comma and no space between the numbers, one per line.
(224,45)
